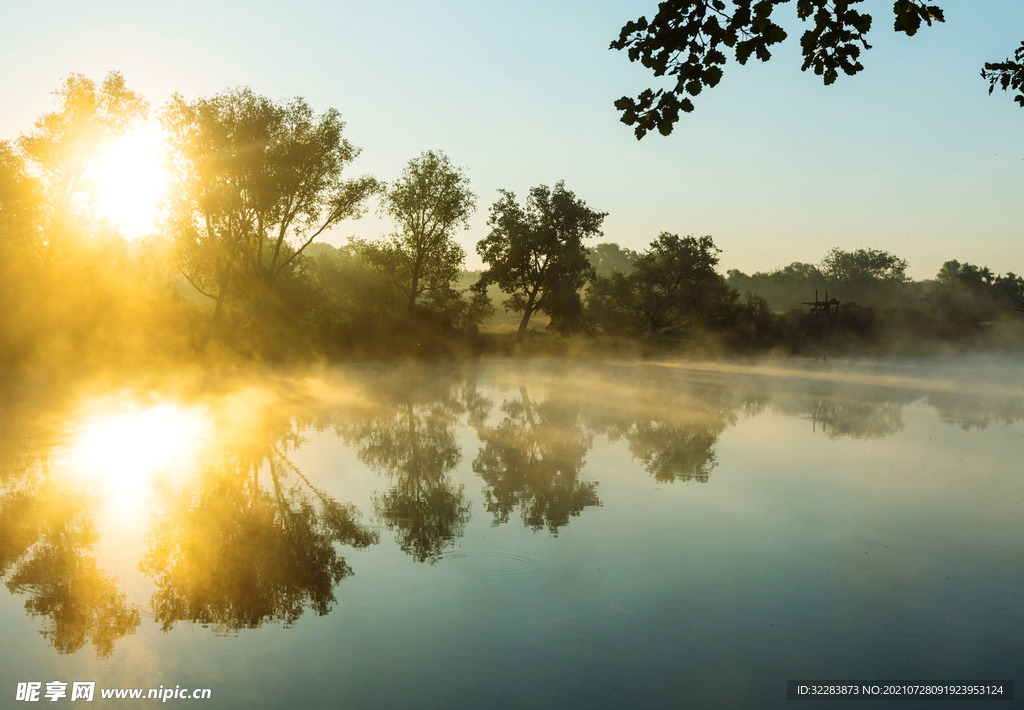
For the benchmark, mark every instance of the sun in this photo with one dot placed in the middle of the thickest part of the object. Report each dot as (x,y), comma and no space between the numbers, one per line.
(129,180)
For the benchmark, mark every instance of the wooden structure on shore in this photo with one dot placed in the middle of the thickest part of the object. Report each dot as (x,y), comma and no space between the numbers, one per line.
(820,321)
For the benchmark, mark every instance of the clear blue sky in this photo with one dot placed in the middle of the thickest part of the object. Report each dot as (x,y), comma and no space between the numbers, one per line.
(911,155)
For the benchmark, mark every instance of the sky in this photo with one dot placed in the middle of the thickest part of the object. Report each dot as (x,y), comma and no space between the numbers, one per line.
(910,156)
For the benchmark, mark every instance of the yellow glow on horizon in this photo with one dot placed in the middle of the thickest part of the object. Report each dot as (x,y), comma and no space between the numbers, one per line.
(129,180)
(121,453)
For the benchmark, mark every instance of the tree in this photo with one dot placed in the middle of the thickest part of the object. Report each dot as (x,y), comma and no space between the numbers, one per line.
(351,301)
(20,208)
(967,295)
(218,149)
(428,203)
(536,254)
(307,195)
(687,40)
(58,152)
(673,283)
(609,257)
(254,182)
(785,287)
(869,277)
(864,265)
(58,268)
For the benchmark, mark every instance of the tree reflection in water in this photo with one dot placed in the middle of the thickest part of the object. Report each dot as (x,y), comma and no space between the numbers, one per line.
(532,461)
(411,440)
(858,420)
(250,541)
(46,537)
(245,539)
(841,410)
(671,452)
(976,411)
(671,426)
(76,601)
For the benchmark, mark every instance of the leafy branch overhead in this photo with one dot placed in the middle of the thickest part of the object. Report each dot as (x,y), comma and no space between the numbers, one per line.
(1007,75)
(688,40)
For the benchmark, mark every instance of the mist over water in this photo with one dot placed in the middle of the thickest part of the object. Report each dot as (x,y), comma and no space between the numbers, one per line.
(515,533)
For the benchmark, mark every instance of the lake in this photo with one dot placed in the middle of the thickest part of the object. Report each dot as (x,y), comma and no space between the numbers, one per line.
(518,534)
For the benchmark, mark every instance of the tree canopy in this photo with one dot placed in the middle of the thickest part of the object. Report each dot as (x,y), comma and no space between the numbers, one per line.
(868,277)
(428,203)
(608,258)
(19,208)
(253,183)
(536,253)
(672,284)
(51,199)
(864,265)
(688,41)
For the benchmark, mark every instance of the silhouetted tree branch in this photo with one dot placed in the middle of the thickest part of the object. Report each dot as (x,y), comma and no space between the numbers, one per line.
(688,40)
(1007,75)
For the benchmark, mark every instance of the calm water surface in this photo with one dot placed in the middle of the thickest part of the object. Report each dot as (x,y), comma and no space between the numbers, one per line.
(519,535)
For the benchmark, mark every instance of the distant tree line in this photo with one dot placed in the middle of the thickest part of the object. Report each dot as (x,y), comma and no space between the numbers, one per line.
(236,265)
(962,301)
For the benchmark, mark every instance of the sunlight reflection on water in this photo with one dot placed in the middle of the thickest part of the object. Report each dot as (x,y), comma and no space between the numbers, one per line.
(528,521)
(119,453)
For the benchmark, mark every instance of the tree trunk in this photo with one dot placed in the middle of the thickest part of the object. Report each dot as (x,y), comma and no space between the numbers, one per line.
(222,282)
(522,326)
(527,312)
(214,322)
(222,291)
(412,295)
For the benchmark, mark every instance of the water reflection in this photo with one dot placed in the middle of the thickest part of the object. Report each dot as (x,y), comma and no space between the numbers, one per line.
(859,420)
(250,539)
(235,532)
(532,461)
(670,429)
(118,453)
(975,411)
(76,601)
(410,439)
(841,410)
(235,553)
(47,537)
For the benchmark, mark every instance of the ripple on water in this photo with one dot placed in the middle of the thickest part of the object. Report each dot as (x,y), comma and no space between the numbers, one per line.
(486,563)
